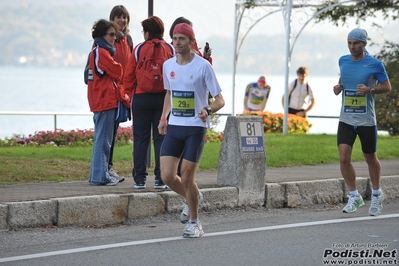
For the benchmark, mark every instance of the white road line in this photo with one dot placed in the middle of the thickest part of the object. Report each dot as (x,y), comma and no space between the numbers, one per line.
(159,240)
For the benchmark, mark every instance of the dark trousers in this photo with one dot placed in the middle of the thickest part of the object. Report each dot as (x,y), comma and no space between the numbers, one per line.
(147,110)
(294,111)
(111,153)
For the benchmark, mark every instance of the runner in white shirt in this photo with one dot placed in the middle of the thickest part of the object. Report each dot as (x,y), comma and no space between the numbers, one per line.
(188,80)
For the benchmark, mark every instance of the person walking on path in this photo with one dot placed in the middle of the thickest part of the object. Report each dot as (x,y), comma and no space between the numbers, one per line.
(188,80)
(143,81)
(298,91)
(361,78)
(256,95)
(119,15)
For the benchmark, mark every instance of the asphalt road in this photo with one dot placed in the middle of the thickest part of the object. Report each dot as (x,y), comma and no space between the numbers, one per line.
(232,237)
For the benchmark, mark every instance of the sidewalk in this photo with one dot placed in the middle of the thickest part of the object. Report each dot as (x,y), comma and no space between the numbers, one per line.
(80,204)
(44,191)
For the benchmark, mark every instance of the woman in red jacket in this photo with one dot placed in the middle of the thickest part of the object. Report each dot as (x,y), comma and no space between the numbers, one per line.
(103,93)
(119,15)
(148,97)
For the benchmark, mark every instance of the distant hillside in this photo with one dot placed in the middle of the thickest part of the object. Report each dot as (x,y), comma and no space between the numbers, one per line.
(38,33)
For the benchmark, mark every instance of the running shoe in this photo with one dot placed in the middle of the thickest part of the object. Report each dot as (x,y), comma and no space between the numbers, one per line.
(354,202)
(185,214)
(376,204)
(193,230)
(159,184)
(113,173)
(139,185)
(112,181)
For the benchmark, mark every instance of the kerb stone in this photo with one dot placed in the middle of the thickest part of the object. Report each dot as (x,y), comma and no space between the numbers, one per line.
(306,193)
(274,196)
(32,213)
(218,198)
(173,201)
(390,187)
(145,204)
(3,217)
(363,185)
(92,210)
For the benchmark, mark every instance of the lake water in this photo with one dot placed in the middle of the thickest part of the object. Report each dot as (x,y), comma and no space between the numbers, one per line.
(63,90)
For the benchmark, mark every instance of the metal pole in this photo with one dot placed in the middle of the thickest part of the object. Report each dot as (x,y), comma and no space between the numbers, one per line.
(150,13)
(150,8)
(287,62)
(236,29)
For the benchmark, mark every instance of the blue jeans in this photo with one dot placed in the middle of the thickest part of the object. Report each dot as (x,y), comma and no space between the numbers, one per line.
(103,133)
(146,110)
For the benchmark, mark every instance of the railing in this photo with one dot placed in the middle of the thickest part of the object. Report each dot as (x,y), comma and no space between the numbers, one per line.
(55,115)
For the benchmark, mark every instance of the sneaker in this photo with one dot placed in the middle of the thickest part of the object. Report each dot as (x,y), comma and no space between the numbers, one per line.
(376,204)
(140,185)
(185,214)
(113,181)
(193,230)
(354,202)
(159,184)
(113,173)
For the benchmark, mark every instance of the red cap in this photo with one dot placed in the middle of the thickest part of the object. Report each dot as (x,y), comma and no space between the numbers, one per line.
(262,80)
(185,29)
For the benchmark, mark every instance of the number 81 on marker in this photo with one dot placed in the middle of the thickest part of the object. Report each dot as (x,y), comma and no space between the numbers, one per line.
(251,129)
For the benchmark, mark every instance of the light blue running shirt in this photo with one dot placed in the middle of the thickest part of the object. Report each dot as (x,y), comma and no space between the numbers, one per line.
(359,110)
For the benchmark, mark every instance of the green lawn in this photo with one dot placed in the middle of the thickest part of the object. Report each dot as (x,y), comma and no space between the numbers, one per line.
(49,163)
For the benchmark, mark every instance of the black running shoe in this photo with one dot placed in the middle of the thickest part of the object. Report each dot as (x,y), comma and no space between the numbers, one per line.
(159,184)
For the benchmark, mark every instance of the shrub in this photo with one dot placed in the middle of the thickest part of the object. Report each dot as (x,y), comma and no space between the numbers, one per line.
(80,137)
(273,123)
(58,137)
(387,105)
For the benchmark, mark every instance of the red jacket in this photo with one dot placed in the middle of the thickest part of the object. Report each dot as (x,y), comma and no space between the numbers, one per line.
(101,91)
(122,52)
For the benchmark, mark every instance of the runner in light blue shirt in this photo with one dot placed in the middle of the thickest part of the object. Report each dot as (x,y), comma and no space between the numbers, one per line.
(362,76)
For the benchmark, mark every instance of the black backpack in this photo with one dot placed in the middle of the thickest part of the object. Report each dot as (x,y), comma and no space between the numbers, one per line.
(296,81)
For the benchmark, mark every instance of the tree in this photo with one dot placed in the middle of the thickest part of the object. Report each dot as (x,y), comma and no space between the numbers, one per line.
(362,9)
(387,105)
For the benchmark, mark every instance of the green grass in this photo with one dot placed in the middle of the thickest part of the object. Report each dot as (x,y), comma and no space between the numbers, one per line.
(60,164)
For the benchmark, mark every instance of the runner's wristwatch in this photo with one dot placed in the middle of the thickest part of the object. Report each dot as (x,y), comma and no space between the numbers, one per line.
(208,110)
(372,91)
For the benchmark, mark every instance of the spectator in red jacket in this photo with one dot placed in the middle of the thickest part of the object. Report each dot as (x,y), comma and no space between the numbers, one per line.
(147,98)
(104,90)
(119,15)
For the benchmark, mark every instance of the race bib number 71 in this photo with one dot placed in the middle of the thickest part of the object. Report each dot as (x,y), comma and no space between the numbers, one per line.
(354,103)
